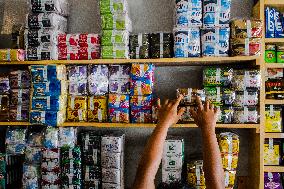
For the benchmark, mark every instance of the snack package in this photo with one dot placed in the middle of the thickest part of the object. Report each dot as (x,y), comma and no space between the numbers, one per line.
(273,118)
(187,42)
(245,47)
(31,176)
(116,22)
(225,114)
(141,87)
(51,139)
(37,37)
(4,84)
(45,73)
(112,161)
(195,174)
(229,143)
(79,115)
(161,50)
(113,6)
(54,88)
(49,118)
(46,21)
(77,102)
(270,22)
(246,79)
(78,79)
(214,76)
(142,71)
(15,149)
(92,174)
(241,28)
(274,89)
(118,101)
(50,180)
(110,37)
(15,141)
(220,96)
(117,72)
(49,103)
(19,114)
(229,161)
(33,155)
(143,102)
(119,86)
(78,87)
(78,40)
(186,116)
(19,79)
(67,137)
(97,111)
(188,13)
(190,95)
(215,41)
(115,51)
(87,52)
(173,147)
(271,152)
(171,176)
(118,115)
(246,98)
(98,79)
(111,175)
(58,6)
(141,115)
(113,143)
(71,153)
(230,177)
(4,107)
(139,46)
(42,52)
(12,55)
(35,139)
(245,115)
(20,97)
(272,180)
(274,73)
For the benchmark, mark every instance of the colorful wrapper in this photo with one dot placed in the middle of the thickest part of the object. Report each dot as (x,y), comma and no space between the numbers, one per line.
(186,116)
(33,155)
(115,52)
(230,177)
(220,96)
(46,21)
(272,180)
(245,47)
(77,102)
(190,95)
(87,52)
(119,86)
(97,109)
(112,160)
(195,174)
(118,115)
(37,37)
(77,115)
(4,84)
(19,114)
(246,28)
(99,86)
(90,141)
(119,72)
(51,139)
(35,139)
(50,180)
(245,115)
(42,52)
(113,6)
(20,97)
(54,88)
(111,175)
(272,152)
(79,40)
(110,37)
(45,73)
(67,136)
(78,87)
(49,118)
(70,153)
(246,98)
(189,13)
(52,153)
(16,136)
(170,176)
(118,101)
(30,171)
(143,102)
(273,118)
(12,55)
(228,143)
(142,71)
(49,103)
(112,143)
(20,79)
(141,116)
(116,22)
(141,87)
(92,173)
(229,161)
(15,149)
(77,73)
(217,76)
(97,71)
(246,79)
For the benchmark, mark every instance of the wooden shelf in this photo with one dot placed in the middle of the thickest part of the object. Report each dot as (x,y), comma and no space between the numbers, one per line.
(274,169)
(274,2)
(274,65)
(274,40)
(14,123)
(274,135)
(271,101)
(162,61)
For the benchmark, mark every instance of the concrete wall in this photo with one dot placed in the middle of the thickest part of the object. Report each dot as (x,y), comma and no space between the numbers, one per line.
(147,16)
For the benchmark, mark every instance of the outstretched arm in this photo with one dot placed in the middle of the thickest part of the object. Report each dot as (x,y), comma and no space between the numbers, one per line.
(206,117)
(152,155)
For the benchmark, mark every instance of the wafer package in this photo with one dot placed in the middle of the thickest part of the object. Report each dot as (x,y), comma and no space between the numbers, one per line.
(98,79)
(116,22)
(139,46)
(111,37)
(115,51)
(49,103)
(245,47)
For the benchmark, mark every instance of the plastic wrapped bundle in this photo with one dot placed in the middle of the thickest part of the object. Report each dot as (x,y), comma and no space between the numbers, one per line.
(225,114)
(4,84)
(273,118)
(118,101)
(214,76)
(246,28)
(187,42)
(140,115)
(15,141)
(4,107)
(111,37)
(245,47)
(46,21)
(113,6)
(98,79)
(12,55)
(161,45)
(77,108)
(195,174)
(273,179)
(139,46)
(220,96)
(49,118)
(246,115)
(78,79)
(20,79)
(78,53)
(116,22)
(37,37)
(118,115)
(229,143)
(97,109)
(117,72)
(49,103)
(31,176)
(119,86)
(42,52)
(215,41)
(46,73)
(56,6)
(246,98)
(246,79)
(115,51)
(55,88)
(272,150)
(190,95)
(79,40)
(189,13)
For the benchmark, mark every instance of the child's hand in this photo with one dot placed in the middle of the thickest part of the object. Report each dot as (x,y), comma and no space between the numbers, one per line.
(205,116)
(169,114)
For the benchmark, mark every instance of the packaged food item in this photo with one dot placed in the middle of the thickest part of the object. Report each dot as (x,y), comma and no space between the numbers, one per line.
(273,118)
(278,19)
(77,102)
(270,53)
(274,89)
(51,139)
(190,95)
(33,155)
(78,79)
(117,72)
(246,115)
(142,71)
(46,21)
(116,22)
(30,172)
(49,103)
(173,146)
(220,96)
(225,115)
(115,51)
(87,52)
(161,45)
(271,152)
(113,143)
(272,180)
(97,111)
(12,55)
(15,141)
(19,114)
(42,6)
(112,161)
(139,115)
(35,139)
(37,37)
(45,73)
(230,177)
(42,52)
(19,97)
(246,79)
(139,46)
(67,137)
(77,72)
(118,101)
(280,54)
(54,88)
(161,38)
(4,84)
(118,115)
(229,161)
(119,86)
(19,79)
(113,6)
(141,87)
(241,28)
(214,76)
(274,73)
(4,107)
(79,40)
(195,174)
(187,117)
(246,98)
(49,118)
(245,47)
(172,162)
(188,13)
(229,143)
(110,37)
(79,115)
(171,176)
(143,102)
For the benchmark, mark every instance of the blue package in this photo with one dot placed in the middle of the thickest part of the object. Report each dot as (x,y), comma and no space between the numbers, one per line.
(278,17)
(54,88)
(45,73)
(189,13)
(269,22)
(188,5)
(51,103)
(49,118)
(225,13)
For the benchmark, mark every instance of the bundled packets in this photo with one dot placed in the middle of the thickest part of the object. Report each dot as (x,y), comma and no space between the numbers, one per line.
(195,174)
(119,79)
(98,79)
(78,78)
(2,170)
(273,118)
(58,6)
(4,97)
(118,108)
(141,109)
(77,108)
(139,46)
(161,45)
(273,23)
(97,111)
(15,141)
(12,55)
(188,13)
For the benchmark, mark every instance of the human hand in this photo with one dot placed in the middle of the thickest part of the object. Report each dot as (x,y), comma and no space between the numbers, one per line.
(168,113)
(205,116)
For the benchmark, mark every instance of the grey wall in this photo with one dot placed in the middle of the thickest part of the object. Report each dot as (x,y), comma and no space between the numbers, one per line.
(147,16)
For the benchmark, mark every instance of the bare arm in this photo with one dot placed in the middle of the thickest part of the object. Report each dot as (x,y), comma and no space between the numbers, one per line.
(206,117)
(152,155)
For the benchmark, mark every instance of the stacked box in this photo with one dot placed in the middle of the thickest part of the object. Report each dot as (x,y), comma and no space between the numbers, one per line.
(78,46)
(48,95)
(161,45)
(112,160)
(45,22)
(187,28)
(246,37)
(4,97)
(9,55)
(91,150)
(116,26)
(139,46)
(2,171)
(172,160)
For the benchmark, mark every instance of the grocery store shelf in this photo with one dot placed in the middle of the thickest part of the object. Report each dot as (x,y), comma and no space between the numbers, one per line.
(14,123)
(274,135)
(274,65)
(274,2)
(161,61)
(274,40)
(271,101)
(273,169)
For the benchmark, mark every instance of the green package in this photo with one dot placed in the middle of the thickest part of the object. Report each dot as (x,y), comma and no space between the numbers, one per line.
(214,76)
(111,37)
(280,56)
(113,6)
(115,51)
(270,54)
(115,21)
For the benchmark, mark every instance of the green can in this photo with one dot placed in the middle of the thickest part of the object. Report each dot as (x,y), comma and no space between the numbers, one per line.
(280,54)
(270,53)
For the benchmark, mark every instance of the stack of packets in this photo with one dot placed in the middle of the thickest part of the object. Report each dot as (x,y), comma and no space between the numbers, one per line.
(78,46)
(15,141)
(119,87)
(273,23)
(273,118)
(116,26)
(44,22)
(112,160)
(32,164)
(4,97)
(8,55)
(273,180)
(246,37)
(195,174)
(229,147)
(216,31)
(71,161)
(91,156)
(187,28)
(19,95)
(141,91)
(272,152)
(161,45)
(2,171)
(50,163)
(274,83)
(172,160)
(48,95)
(139,46)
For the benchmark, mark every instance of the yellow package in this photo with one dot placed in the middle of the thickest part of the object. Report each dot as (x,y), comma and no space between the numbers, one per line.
(97,111)
(229,143)
(273,120)
(230,161)
(77,102)
(271,154)
(195,174)
(12,55)
(76,115)
(230,178)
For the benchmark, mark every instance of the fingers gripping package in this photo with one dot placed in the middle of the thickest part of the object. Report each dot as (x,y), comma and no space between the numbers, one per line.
(190,95)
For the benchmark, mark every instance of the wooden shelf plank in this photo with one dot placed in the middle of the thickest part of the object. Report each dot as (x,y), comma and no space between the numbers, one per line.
(274,65)
(274,40)
(166,61)
(274,2)
(274,169)
(14,123)
(271,101)
(274,135)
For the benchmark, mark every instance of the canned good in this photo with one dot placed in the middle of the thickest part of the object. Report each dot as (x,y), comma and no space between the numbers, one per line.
(280,54)
(270,53)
